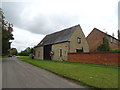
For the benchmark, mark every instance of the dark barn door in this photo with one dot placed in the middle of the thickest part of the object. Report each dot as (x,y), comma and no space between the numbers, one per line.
(79,50)
(47,50)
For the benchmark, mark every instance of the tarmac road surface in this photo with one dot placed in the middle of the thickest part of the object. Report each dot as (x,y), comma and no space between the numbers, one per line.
(19,74)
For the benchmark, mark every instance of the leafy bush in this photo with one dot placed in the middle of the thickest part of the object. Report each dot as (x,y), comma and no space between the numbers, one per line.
(104,46)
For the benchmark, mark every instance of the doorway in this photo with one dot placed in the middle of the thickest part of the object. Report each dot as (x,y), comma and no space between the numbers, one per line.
(47,49)
(79,50)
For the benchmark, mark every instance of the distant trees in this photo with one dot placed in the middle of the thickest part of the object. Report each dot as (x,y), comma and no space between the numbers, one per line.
(13,51)
(6,34)
(27,52)
(104,46)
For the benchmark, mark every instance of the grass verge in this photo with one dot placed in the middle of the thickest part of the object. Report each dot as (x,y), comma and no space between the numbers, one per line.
(3,56)
(117,50)
(97,76)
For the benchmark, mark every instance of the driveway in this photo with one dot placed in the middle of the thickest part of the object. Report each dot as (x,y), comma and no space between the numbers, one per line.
(19,74)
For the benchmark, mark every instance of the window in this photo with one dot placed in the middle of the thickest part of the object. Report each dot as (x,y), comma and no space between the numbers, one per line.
(78,40)
(111,40)
(115,41)
(60,52)
(38,53)
(103,40)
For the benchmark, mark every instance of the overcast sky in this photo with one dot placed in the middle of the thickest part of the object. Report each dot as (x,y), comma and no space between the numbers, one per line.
(33,19)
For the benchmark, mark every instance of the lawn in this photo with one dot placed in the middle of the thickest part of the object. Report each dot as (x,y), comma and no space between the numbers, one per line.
(97,76)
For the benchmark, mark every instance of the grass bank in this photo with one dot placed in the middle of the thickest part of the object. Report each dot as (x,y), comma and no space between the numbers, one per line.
(98,76)
(3,56)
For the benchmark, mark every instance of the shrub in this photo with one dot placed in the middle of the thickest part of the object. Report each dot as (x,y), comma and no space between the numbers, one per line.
(104,46)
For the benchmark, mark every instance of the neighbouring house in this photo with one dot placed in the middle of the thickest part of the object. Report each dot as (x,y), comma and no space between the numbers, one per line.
(95,38)
(61,43)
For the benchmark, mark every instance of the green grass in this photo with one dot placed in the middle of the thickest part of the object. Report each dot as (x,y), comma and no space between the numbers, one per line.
(115,50)
(3,56)
(97,76)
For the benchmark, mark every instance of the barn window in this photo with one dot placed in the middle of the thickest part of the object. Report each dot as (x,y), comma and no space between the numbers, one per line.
(60,52)
(78,40)
(115,41)
(38,53)
(111,40)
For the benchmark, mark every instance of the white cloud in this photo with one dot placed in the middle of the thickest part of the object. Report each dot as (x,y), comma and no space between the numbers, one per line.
(48,16)
(24,39)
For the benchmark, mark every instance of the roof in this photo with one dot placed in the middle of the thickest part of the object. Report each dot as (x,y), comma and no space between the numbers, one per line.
(103,33)
(58,37)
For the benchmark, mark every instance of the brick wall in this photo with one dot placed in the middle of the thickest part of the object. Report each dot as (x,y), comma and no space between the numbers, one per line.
(106,58)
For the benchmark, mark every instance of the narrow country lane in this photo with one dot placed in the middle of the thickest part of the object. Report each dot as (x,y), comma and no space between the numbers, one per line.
(18,74)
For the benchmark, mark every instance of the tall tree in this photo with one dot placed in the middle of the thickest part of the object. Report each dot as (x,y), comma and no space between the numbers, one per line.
(118,34)
(6,34)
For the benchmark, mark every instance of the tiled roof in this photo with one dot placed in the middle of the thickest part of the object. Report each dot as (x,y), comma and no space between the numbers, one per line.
(58,37)
(103,33)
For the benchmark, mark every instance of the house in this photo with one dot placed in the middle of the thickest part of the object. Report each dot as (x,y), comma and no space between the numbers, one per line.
(70,40)
(95,38)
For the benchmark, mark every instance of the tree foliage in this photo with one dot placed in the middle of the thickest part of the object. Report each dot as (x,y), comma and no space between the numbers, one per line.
(27,51)
(118,34)
(13,51)
(6,34)
(104,46)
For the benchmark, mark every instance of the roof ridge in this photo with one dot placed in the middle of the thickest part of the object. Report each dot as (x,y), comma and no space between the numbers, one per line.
(105,33)
(58,36)
(62,30)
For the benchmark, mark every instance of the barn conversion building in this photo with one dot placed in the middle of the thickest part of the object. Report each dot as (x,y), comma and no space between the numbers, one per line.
(70,40)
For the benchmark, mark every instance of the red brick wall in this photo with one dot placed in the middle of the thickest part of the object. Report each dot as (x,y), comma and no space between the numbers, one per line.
(106,58)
